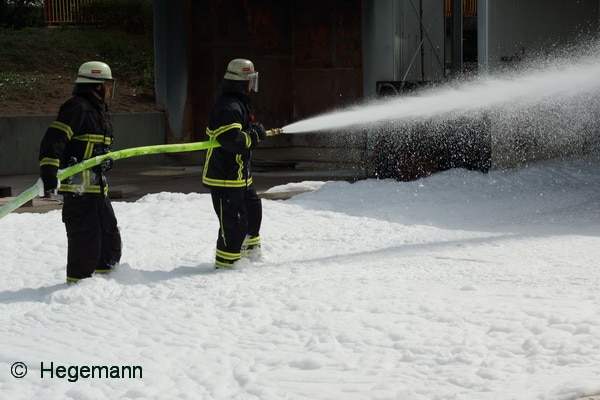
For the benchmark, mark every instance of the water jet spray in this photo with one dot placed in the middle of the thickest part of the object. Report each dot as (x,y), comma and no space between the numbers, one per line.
(549,108)
(555,82)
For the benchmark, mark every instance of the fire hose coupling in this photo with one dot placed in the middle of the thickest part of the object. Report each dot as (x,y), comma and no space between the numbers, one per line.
(274,131)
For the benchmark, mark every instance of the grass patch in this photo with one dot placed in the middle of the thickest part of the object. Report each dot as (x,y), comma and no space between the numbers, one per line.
(13,85)
(28,55)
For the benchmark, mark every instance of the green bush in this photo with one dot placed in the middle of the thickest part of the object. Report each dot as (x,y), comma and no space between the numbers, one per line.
(19,14)
(131,16)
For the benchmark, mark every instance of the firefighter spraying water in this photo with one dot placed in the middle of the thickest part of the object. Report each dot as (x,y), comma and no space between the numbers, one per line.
(562,84)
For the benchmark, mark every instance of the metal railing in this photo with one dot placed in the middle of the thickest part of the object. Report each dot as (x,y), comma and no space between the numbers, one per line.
(58,12)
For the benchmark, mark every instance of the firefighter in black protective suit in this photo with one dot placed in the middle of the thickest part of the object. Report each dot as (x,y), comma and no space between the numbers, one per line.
(83,130)
(227,170)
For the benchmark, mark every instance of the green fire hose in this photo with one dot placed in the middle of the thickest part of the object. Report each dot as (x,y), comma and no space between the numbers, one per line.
(92,162)
(115,155)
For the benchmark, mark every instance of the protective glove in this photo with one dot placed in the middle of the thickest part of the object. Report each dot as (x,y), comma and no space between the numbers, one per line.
(47,185)
(107,164)
(257,132)
(50,183)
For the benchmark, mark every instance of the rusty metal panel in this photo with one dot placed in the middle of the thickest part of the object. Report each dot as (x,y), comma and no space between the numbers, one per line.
(347,32)
(327,34)
(327,59)
(275,100)
(270,29)
(320,90)
(313,34)
(308,54)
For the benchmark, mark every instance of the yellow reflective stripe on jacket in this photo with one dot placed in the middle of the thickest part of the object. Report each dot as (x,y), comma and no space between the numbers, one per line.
(87,187)
(82,189)
(206,161)
(75,188)
(213,134)
(62,127)
(240,181)
(89,150)
(93,138)
(240,163)
(248,140)
(55,162)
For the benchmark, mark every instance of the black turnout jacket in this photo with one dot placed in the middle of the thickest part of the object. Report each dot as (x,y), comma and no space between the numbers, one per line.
(82,130)
(228,166)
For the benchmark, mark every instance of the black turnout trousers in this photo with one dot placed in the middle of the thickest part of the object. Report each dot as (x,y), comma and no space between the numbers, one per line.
(240,213)
(94,241)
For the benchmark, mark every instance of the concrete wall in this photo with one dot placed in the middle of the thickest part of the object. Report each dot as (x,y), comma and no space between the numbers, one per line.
(20,139)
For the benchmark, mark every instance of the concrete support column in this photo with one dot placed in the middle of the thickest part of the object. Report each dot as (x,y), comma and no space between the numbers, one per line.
(170,64)
(457,36)
(483,36)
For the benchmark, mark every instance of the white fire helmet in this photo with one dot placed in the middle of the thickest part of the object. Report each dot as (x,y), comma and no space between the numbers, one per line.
(95,72)
(241,69)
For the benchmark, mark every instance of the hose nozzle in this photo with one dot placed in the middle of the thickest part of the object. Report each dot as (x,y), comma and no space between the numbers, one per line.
(274,131)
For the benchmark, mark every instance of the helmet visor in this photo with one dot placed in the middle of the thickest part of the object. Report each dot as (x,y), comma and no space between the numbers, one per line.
(111,89)
(253,77)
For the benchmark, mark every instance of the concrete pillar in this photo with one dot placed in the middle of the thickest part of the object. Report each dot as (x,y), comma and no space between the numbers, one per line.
(170,64)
